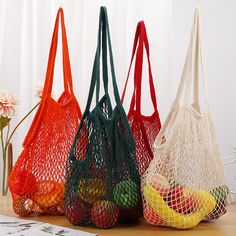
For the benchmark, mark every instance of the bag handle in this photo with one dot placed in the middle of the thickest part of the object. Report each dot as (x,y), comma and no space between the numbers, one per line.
(104,30)
(194,51)
(187,74)
(104,64)
(136,39)
(141,36)
(52,55)
(49,74)
(199,51)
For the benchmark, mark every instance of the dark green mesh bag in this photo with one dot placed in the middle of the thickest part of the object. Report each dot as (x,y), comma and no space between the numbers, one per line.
(102,179)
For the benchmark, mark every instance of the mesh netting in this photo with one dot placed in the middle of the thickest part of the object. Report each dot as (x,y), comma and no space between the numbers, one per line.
(185,182)
(37,179)
(145,130)
(102,179)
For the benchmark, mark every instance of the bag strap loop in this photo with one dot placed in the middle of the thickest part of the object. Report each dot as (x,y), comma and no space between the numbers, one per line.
(187,75)
(104,31)
(142,39)
(52,55)
(191,67)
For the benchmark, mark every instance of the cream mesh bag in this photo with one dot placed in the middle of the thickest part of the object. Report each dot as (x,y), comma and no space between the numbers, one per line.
(185,183)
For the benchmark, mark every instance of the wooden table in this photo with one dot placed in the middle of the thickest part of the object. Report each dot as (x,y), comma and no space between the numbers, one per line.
(225,226)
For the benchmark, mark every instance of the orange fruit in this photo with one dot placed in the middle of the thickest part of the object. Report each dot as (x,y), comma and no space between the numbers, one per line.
(91,190)
(49,193)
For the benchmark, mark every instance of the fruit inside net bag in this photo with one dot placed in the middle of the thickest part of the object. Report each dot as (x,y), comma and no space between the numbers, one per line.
(185,182)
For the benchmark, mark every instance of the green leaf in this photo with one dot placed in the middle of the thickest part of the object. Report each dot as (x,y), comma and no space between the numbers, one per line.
(4,121)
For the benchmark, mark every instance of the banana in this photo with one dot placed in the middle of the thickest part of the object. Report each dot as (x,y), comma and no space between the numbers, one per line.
(206,203)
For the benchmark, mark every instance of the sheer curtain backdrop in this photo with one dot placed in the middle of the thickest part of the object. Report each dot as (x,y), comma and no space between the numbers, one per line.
(26,28)
(25,35)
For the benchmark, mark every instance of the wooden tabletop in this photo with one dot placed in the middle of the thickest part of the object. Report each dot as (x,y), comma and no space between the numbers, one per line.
(225,226)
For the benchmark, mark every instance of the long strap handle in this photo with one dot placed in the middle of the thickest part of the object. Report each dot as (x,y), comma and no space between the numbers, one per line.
(136,39)
(139,81)
(52,55)
(142,39)
(191,66)
(199,51)
(104,63)
(104,30)
(187,74)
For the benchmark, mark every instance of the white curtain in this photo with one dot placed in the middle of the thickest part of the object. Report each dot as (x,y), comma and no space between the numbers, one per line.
(26,28)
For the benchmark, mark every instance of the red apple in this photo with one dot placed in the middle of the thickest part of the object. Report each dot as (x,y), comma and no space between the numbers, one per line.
(159,183)
(77,211)
(180,202)
(151,216)
(104,214)
(22,183)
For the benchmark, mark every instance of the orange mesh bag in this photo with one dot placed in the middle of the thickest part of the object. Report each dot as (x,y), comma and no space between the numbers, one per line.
(37,179)
(144,128)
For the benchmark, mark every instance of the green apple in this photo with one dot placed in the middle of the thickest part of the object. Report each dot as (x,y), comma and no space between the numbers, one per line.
(126,194)
(218,211)
(220,193)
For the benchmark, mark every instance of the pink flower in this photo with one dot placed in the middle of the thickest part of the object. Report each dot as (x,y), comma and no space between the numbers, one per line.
(7,104)
(39,90)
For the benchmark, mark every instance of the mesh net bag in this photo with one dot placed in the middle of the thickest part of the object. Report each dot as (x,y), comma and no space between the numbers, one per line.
(37,179)
(185,183)
(144,128)
(102,180)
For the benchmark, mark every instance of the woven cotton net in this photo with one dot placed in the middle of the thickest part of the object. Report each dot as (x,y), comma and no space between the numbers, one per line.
(145,130)
(102,179)
(37,179)
(185,183)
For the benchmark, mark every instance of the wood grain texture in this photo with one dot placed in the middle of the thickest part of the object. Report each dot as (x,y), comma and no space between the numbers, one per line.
(225,226)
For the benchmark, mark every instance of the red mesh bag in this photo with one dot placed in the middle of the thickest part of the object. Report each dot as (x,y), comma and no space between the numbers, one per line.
(37,179)
(144,128)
